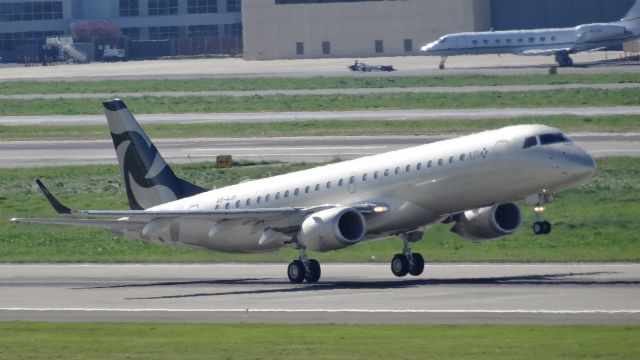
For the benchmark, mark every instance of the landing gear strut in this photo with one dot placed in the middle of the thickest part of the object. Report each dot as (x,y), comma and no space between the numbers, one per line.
(541,226)
(408,262)
(442,61)
(304,269)
(564,60)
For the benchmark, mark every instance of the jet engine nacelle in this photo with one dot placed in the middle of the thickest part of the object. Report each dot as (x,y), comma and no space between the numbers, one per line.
(489,222)
(598,32)
(332,229)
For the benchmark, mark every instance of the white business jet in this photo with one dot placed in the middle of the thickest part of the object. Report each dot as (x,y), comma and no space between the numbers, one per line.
(559,42)
(472,182)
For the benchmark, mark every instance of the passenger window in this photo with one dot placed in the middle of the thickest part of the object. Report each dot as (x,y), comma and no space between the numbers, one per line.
(450,159)
(267,197)
(508,41)
(397,171)
(296,192)
(485,41)
(352,180)
(238,204)
(258,199)
(419,166)
(306,189)
(328,184)
(440,162)
(226,206)
(520,40)
(340,182)
(386,172)
(529,142)
(532,40)
(317,187)
(364,177)
(217,207)
(286,194)
(543,39)
(278,196)
(248,202)
(429,163)
(462,157)
(475,42)
(375,174)
(408,168)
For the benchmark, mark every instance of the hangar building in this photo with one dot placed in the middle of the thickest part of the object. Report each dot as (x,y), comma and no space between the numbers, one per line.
(276,29)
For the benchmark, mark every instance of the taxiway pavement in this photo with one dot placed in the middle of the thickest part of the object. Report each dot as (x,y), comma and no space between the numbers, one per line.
(359,293)
(15,154)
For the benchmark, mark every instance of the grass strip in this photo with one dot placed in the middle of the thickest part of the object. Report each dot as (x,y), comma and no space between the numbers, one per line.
(22,340)
(618,124)
(596,221)
(269,83)
(195,104)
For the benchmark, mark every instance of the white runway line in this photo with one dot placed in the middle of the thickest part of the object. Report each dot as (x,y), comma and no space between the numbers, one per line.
(357,311)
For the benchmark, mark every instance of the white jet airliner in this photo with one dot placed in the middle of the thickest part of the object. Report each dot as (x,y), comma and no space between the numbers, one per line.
(559,42)
(471,181)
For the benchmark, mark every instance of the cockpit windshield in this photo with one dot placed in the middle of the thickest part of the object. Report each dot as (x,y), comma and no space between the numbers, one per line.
(547,139)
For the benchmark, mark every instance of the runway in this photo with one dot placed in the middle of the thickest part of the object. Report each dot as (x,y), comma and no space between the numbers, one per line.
(287,149)
(349,115)
(359,293)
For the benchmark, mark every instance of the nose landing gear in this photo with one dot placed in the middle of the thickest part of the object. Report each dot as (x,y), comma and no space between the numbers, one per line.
(408,262)
(442,61)
(541,226)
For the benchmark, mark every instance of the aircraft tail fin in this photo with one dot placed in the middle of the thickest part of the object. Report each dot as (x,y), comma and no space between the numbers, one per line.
(148,179)
(633,15)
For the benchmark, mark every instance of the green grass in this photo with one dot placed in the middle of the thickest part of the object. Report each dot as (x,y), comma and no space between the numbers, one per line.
(22,340)
(196,104)
(268,83)
(322,128)
(596,221)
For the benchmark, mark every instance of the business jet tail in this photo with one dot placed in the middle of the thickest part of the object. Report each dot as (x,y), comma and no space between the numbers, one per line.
(633,15)
(148,179)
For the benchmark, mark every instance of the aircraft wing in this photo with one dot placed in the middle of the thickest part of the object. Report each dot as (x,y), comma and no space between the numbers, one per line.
(129,219)
(534,52)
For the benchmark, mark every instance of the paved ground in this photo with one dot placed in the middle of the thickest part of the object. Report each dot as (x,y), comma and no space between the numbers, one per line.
(296,149)
(452,294)
(410,65)
(360,115)
(348,91)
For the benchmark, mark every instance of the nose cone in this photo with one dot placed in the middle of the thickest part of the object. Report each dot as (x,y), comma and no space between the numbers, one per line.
(580,165)
(428,47)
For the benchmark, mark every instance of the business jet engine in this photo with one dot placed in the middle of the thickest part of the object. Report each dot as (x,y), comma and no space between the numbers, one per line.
(332,229)
(599,32)
(489,222)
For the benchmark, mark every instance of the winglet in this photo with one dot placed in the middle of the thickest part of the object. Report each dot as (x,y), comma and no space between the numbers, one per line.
(57,205)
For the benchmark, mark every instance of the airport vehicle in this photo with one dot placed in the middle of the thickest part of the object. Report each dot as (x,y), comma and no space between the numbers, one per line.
(471,182)
(359,66)
(560,42)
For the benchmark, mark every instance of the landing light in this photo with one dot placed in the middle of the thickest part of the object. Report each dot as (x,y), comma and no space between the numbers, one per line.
(379,209)
(538,209)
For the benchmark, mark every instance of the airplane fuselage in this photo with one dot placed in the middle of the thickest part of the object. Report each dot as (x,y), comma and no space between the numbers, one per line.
(419,185)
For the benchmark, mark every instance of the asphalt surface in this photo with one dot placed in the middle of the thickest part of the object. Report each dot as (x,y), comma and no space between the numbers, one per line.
(585,63)
(295,149)
(347,91)
(354,115)
(445,293)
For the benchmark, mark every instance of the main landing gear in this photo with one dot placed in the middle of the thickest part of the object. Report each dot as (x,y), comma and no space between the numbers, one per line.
(304,269)
(408,262)
(564,60)
(442,61)
(541,226)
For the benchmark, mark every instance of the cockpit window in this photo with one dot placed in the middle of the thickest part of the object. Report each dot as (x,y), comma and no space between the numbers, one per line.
(443,40)
(546,139)
(529,142)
